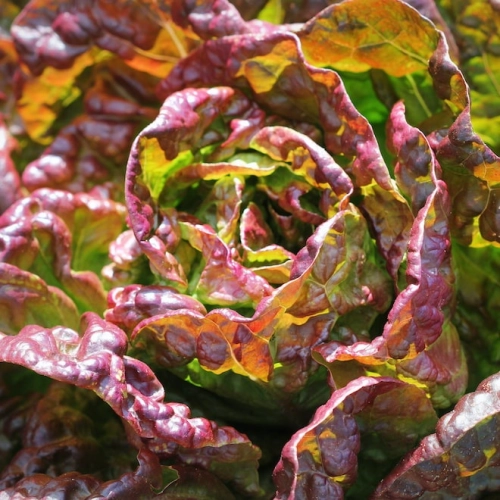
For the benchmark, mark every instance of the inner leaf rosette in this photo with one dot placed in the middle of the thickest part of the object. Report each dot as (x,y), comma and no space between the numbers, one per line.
(222,195)
(243,211)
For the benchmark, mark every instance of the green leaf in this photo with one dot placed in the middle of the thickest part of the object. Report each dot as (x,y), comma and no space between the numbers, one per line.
(272,12)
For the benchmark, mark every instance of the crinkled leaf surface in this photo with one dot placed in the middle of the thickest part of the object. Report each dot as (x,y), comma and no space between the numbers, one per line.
(90,150)
(128,306)
(265,66)
(97,361)
(215,19)
(143,482)
(418,325)
(470,167)
(475,25)
(220,340)
(292,231)
(321,459)
(358,35)
(72,37)
(25,298)
(66,429)
(160,156)
(417,316)
(460,460)
(94,222)
(10,189)
(36,237)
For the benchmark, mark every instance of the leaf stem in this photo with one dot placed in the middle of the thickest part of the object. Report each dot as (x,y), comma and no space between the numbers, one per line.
(156,57)
(418,95)
(168,26)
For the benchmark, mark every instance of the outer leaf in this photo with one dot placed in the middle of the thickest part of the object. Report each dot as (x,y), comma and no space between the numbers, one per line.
(430,10)
(74,160)
(97,361)
(214,19)
(470,168)
(37,238)
(142,482)
(93,221)
(416,318)
(296,12)
(39,485)
(221,340)
(43,239)
(357,35)
(58,438)
(60,434)
(265,66)
(468,150)
(129,305)
(68,30)
(26,299)
(10,189)
(475,24)
(71,37)
(89,150)
(441,369)
(321,458)
(460,460)
(42,98)
(418,331)
(15,408)
(391,41)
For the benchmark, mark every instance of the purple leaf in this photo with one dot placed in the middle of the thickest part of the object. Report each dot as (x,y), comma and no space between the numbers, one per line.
(26,299)
(272,68)
(460,460)
(65,31)
(417,316)
(320,460)
(470,168)
(60,236)
(128,306)
(10,188)
(97,361)
(215,19)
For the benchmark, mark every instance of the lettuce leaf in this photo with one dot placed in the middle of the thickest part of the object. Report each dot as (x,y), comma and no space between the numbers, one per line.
(97,361)
(459,460)
(276,224)
(320,460)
